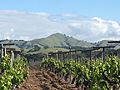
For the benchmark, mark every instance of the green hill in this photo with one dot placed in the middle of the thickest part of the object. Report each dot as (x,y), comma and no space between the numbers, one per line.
(60,40)
(54,42)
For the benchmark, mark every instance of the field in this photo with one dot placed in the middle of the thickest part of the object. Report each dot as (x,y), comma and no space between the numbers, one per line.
(44,80)
(53,74)
(90,75)
(70,75)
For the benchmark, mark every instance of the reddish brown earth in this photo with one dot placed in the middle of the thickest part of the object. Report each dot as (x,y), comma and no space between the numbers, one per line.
(44,80)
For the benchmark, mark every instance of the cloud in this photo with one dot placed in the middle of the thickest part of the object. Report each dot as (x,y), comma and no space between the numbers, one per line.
(69,15)
(31,25)
(96,29)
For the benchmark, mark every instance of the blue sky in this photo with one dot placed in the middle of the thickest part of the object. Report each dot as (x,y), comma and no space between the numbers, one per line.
(90,20)
(107,9)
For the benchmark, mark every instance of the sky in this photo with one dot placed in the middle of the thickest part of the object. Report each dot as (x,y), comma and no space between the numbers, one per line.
(107,9)
(78,18)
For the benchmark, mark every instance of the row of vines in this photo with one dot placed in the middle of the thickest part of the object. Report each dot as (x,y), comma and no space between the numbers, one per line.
(12,76)
(92,75)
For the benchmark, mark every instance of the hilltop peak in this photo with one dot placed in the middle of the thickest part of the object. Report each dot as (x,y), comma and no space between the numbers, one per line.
(60,40)
(58,34)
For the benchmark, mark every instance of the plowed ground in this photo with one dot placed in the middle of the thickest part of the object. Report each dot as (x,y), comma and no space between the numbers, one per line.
(44,80)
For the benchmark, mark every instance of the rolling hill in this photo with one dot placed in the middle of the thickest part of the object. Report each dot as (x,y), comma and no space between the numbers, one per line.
(56,40)
(60,40)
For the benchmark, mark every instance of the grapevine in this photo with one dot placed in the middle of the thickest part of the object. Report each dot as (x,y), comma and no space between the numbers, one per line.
(92,75)
(12,75)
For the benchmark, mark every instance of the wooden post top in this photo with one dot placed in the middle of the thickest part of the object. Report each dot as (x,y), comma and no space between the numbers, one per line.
(113,41)
(4,44)
(104,47)
(83,50)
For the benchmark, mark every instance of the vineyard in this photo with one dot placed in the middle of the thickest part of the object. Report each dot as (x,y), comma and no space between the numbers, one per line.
(54,74)
(92,75)
(12,76)
(59,45)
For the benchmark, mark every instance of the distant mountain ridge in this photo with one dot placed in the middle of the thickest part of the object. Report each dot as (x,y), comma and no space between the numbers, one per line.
(60,40)
(56,40)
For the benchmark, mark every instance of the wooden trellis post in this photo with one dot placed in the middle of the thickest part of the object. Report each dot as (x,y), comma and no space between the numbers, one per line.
(103,54)
(5,51)
(63,56)
(114,42)
(12,58)
(2,51)
(70,53)
(90,54)
(103,50)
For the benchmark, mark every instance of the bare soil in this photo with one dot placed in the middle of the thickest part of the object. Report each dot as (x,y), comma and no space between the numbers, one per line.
(44,80)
